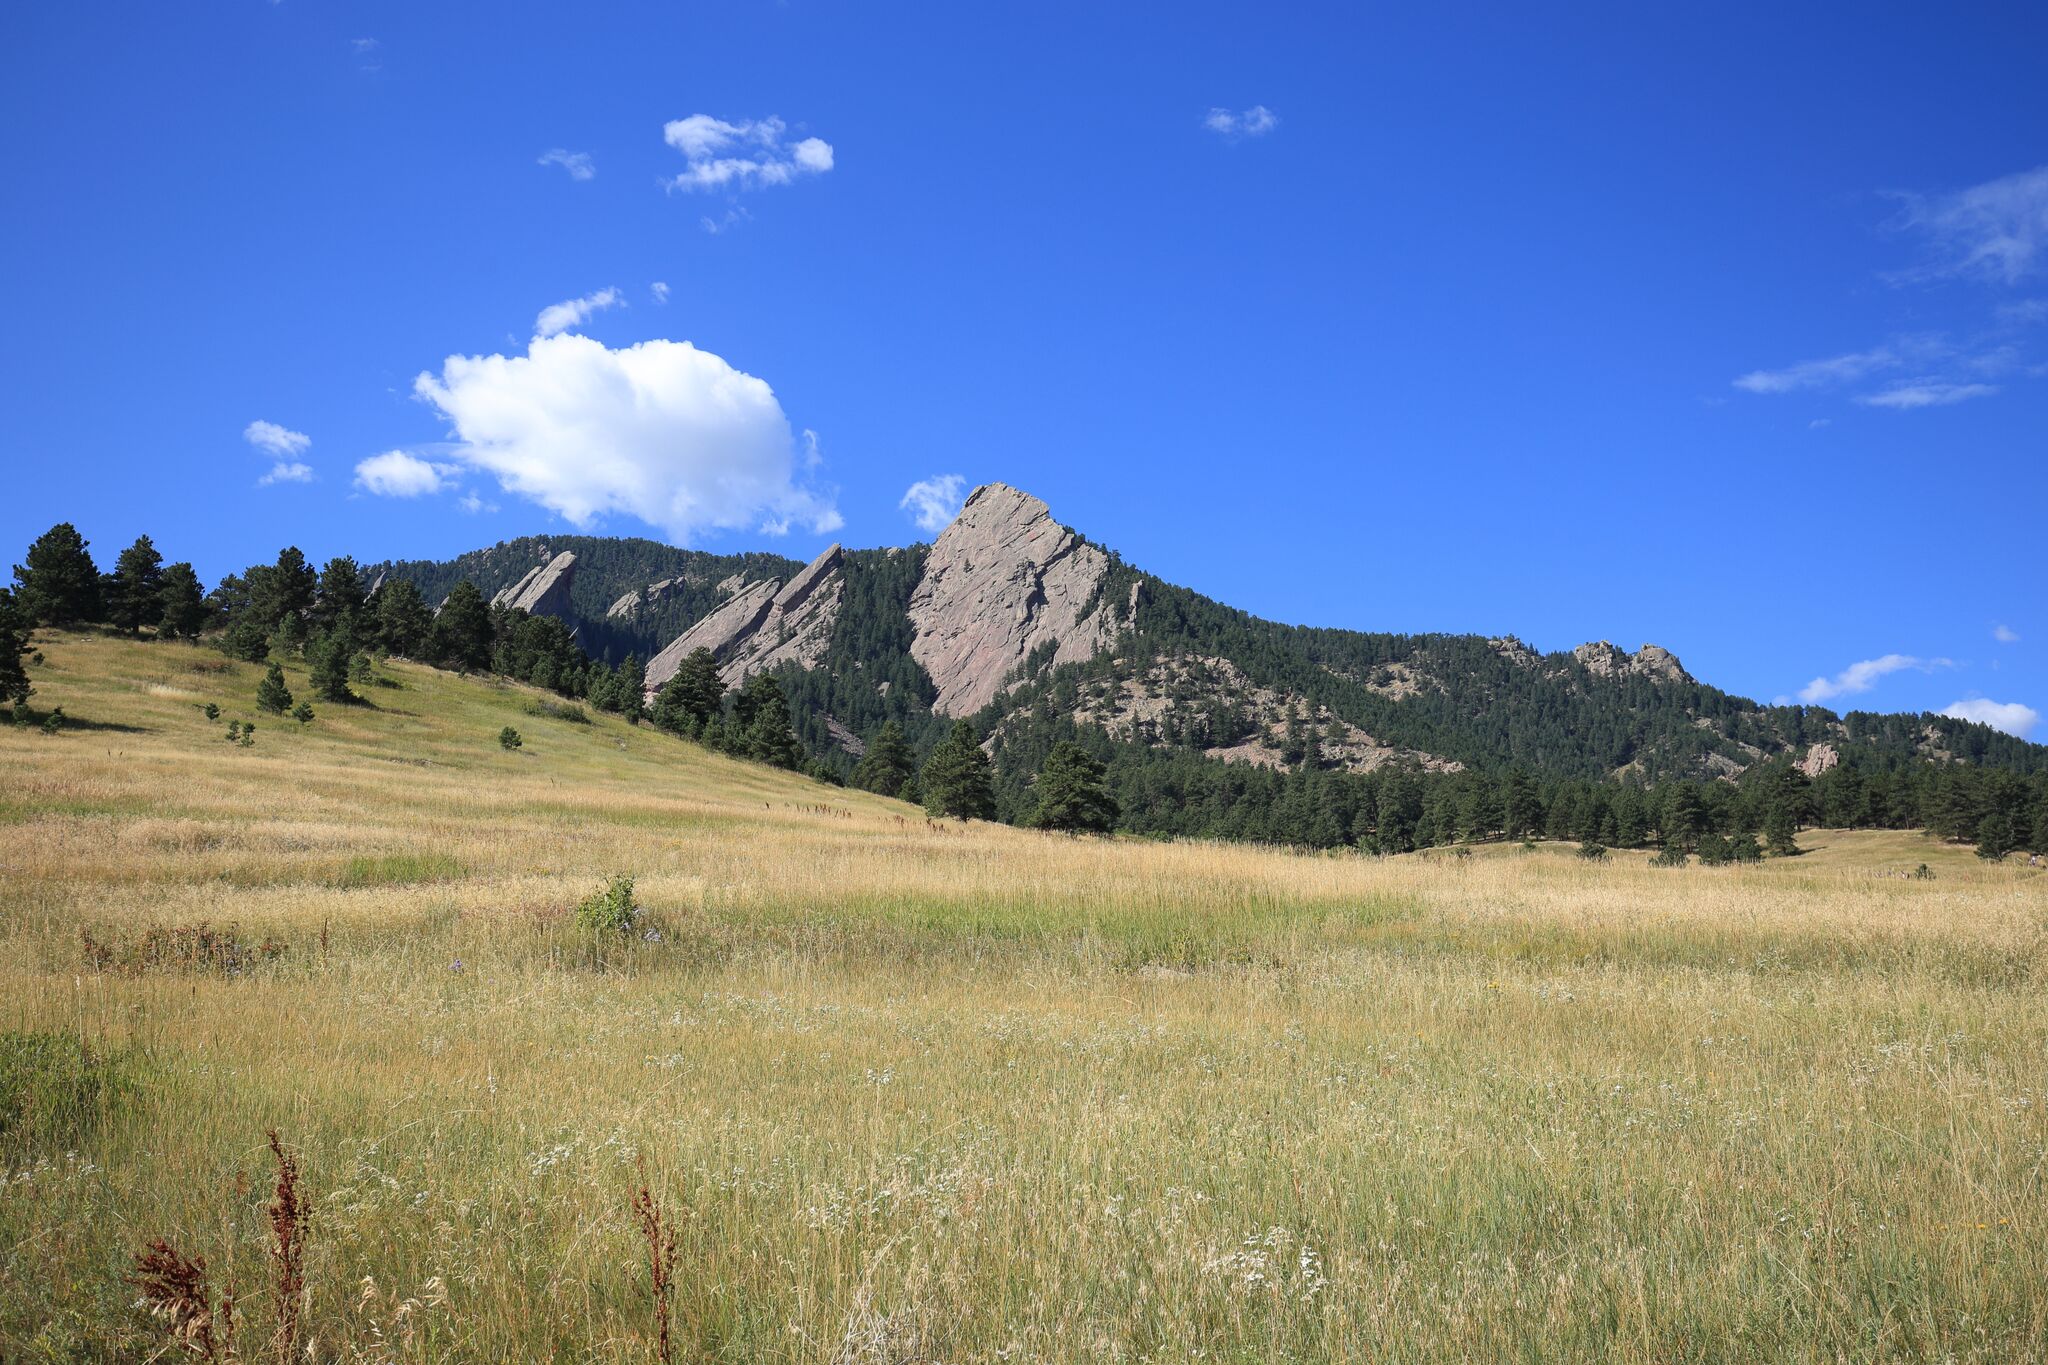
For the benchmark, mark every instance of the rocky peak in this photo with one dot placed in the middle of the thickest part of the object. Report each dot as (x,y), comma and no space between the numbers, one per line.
(544,590)
(1654,662)
(1001,583)
(1819,759)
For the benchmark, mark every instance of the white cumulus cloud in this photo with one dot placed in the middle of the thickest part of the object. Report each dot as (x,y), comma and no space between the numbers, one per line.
(1256,121)
(749,154)
(2005,634)
(560,317)
(2010,716)
(286,471)
(934,502)
(660,431)
(1863,675)
(577,164)
(399,474)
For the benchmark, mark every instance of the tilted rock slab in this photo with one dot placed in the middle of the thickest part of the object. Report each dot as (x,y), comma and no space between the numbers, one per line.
(1002,581)
(1655,662)
(544,591)
(765,623)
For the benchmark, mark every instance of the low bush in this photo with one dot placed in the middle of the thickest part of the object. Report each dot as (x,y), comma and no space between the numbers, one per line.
(611,910)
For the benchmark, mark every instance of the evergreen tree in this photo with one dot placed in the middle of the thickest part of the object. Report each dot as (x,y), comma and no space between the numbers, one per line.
(632,690)
(887,764)
(769,738)
(245,639)
(331,656)
(282,591)
(341,596)
(1071,792)
(404,625)
(181,603)
(1995,836)
(1521,806)
(668,712)
(132,594)
(14,636)
(462,632)
(271,694)
(957,780)
(700,692)
(1781,831)
(59,586)
(2039,844)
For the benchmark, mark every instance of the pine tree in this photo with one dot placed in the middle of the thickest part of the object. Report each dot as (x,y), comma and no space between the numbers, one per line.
(1521,806)
(1995,836)
(700,691)
(14,642)
(1072,795)
(632,690)
(132,594)
(957,780)
(284,590)
(1781,831)
(462,632)
(341,598)
(769,738)
(181,603)
(271,694)
(331,656)
(404,625)
(59,586)
(887,763)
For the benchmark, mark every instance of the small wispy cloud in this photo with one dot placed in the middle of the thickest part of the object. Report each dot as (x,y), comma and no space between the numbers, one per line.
(734,216)
(745,155)
(282,445)
(1848,368)
(660,291)
(2005,634)
(1864,674)
(2012,717)
(577,164)
(475,505)
(1996,231)
(1256,121)
(1926,394)
(400,474)
(934,502)
(560,317)
(363,47)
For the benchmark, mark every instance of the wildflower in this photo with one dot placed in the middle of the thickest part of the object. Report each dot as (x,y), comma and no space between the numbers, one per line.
(455,966)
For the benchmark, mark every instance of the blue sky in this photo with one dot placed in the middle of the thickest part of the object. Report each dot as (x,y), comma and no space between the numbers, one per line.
(1726,329)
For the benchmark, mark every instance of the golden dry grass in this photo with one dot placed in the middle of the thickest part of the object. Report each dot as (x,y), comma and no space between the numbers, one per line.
(977,1094)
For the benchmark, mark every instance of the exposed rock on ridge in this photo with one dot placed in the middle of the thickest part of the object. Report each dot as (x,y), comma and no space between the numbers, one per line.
(1002,582)
(763,624)
(1654,662)
(544,591)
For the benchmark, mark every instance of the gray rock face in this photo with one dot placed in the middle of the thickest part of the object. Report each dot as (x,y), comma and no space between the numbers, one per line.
(762,624)
(1003,581)
(1819,759)
(1654,662)
(653,595)
(544,591)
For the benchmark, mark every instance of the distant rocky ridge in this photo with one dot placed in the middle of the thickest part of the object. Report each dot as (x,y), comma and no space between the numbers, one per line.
(1024,625)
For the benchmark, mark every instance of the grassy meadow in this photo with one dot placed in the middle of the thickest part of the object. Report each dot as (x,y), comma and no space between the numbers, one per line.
(916,1093)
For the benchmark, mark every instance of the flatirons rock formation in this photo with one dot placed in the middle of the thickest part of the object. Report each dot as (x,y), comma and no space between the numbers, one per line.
(763,624)
(1001,582)
(544,590)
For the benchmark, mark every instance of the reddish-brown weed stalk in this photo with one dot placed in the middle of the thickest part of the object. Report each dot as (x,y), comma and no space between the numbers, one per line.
(660,1237)
(176,1290)
(288,1216)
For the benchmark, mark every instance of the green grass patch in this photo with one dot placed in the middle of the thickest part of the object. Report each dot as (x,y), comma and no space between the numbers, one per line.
(397,869)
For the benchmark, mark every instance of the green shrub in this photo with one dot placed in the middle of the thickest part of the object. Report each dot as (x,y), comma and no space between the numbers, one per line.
(1592,852)
(508,739)
(551,710)
(610,910)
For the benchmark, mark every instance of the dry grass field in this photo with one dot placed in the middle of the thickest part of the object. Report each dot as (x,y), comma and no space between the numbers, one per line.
(912,1093)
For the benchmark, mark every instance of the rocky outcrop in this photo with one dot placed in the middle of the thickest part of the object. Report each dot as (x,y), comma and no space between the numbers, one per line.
(762,624)
(1654,662)
(544,590)
(642,599)
(1819,759)
(1001,584)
